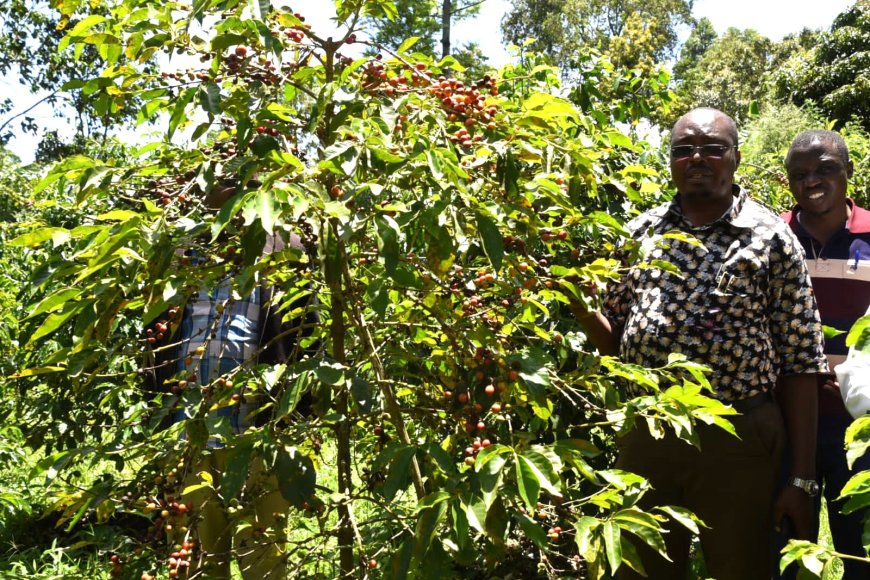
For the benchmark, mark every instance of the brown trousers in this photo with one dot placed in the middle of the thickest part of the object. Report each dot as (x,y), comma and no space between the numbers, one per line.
(729,484)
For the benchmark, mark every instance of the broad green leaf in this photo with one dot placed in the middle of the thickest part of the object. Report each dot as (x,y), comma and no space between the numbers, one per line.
(427,526)
(331,257)
(56,320)
(40,236)
(36,371)
(388,243)
(296,476)
(265,201)
(223,41)
(492,241)
(859,334)
(293,394)
(857,439)
(210,98)
(612,544)
(435,166)
(238,468)
(532,529)
(831,332)
(178,112)
(545,468)
(400,563)
(331,373)
(54,301)
(528,481)
(489,469)
(407,44)
(397,476)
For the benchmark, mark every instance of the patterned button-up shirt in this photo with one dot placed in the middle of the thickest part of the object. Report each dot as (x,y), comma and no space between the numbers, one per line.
(742,303)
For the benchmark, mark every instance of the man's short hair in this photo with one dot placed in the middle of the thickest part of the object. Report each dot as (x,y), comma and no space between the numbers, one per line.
(806,138)
(732,125)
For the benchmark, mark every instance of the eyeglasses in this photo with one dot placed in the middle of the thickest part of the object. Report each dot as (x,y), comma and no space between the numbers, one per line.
(711,150)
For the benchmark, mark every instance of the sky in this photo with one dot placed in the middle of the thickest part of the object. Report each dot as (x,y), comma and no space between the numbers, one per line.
(771,18)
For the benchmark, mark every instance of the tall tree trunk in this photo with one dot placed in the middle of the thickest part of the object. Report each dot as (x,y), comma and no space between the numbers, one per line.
(446,14)
(338,334)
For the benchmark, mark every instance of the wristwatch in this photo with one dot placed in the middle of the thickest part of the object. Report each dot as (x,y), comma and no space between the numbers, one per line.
(811,487)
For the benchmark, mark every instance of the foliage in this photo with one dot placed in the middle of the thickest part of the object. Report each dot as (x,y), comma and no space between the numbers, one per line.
(765,140)
(443,225)
(631,34)
(834,74)
(701,38)
(730,74)
(45,70)
(425,20)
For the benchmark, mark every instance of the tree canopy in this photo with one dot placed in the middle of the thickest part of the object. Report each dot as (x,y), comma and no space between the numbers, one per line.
(835,74)
(631,33)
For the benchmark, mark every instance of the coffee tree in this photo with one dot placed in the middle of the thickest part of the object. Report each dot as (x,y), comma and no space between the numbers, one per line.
(447,409)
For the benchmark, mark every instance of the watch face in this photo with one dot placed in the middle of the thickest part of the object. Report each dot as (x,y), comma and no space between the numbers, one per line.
(813,488)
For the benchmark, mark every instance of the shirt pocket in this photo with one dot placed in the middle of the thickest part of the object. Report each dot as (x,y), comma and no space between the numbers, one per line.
(736,297)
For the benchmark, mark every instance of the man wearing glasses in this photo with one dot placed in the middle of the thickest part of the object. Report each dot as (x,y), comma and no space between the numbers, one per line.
(742,305)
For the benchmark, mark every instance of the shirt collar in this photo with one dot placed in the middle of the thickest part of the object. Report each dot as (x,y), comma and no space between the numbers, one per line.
(859,221)
(733,215)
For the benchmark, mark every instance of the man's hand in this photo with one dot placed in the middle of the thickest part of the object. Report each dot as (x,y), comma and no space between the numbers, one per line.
(797,505)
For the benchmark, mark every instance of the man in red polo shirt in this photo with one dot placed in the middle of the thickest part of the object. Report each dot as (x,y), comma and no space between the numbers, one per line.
(835,235)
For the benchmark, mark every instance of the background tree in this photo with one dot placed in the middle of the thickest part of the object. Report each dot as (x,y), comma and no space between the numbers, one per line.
(729,75)
(431,20)
(834,75)
(43,69)
(629,33)
(701,38)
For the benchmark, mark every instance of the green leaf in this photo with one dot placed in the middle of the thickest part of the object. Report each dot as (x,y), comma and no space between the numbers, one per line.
(388,243)
(331,257)
(532,529)
(397,477)
(178,112)
(238,467)
(331,373)
(56,320)
(859,334)
(427,526)
(527,481)
(265,202)
(407,44)
(489,469)
(435,166)
(36,371)
(400,563)
(291,396)
(54,301)
(831,332)
(40,236)
(296,476)
(612,544)
(491,238)
(545,466)
(857,439)
(223,41)
(683,516)
(210,98)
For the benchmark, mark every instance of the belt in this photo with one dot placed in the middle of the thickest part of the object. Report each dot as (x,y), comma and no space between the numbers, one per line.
(743,406)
